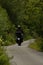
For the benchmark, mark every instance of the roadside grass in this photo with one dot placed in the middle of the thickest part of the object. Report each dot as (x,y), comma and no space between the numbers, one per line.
(34,46)
(37,45)
(4,60)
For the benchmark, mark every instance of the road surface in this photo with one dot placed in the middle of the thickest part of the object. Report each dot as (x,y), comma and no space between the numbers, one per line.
(22,55)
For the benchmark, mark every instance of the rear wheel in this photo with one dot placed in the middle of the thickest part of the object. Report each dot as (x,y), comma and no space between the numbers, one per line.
(19,44)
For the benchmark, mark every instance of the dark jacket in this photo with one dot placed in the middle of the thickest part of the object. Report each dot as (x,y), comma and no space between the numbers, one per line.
(19,33)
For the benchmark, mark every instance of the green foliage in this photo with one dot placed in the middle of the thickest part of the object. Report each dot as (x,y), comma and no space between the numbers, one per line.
(4,22)
(37,45)
(26,32)
(27,13)
(9,40)
(3,58)
(7,29)
(40,43)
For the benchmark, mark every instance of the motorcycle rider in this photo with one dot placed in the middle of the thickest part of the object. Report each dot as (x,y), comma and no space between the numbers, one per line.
(19,34)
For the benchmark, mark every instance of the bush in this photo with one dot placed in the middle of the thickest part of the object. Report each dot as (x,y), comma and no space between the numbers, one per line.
(10,39)
(38,44)
(4,60)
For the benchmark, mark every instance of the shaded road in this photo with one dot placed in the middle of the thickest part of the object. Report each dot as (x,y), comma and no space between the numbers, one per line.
(22,55)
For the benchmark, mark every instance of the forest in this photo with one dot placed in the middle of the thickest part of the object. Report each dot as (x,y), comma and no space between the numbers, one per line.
(28,14)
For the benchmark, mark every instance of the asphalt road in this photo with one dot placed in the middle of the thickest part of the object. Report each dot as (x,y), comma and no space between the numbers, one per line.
(22,55)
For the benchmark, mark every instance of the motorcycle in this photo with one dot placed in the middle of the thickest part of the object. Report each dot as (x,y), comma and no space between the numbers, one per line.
(19,41)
